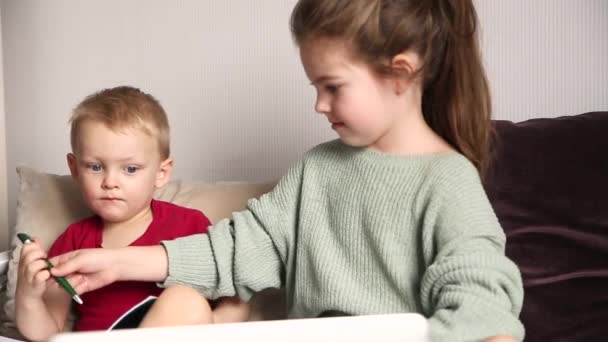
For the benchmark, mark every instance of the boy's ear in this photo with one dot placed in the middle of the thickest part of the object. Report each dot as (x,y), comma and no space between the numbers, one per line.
(405,65)
(72,164)
(164,173)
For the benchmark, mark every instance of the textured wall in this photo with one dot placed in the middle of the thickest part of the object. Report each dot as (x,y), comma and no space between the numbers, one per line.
(545,57)
(3,188)
(229,76)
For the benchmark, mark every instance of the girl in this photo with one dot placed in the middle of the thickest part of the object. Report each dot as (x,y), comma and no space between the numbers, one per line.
(392,216)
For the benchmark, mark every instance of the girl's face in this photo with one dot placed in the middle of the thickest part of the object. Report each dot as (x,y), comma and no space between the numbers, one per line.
(359,104)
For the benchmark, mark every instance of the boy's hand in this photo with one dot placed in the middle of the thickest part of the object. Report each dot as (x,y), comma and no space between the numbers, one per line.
(86,269)
(33,274)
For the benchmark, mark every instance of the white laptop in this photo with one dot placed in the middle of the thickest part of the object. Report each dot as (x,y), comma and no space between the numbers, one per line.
(377,328)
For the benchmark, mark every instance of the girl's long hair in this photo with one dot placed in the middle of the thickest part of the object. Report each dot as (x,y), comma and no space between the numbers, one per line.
(456,100)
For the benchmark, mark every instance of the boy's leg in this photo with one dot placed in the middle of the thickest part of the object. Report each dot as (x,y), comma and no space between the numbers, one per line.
(231,310)
(178,305)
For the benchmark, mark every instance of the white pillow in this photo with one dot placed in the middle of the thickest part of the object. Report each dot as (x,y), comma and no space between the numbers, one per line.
(48,203)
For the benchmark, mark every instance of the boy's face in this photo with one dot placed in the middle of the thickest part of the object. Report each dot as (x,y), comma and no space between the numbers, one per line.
(117,171)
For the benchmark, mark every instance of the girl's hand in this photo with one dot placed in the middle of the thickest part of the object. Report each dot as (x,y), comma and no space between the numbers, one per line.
(90,269)
(87,269)
(33,274)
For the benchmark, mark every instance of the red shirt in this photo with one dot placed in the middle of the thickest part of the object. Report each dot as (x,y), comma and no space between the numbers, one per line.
(103,306)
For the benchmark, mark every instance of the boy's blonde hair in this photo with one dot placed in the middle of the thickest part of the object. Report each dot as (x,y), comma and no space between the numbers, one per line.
(123,107)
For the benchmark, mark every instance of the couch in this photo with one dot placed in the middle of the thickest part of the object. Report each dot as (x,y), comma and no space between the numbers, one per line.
(548,184)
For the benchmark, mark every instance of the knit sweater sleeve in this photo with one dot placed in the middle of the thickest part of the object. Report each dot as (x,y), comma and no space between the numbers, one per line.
(471,290)
(242,255)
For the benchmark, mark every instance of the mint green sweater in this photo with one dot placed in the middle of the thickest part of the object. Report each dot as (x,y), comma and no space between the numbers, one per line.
(360,232)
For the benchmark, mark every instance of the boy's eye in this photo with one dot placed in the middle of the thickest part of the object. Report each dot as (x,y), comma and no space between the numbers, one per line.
(331,88)
(95,167)
(131,169)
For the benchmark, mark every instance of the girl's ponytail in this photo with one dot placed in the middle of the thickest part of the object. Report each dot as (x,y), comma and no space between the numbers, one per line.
(456,97)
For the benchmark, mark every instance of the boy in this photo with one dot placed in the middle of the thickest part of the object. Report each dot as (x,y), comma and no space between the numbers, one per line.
(120,155)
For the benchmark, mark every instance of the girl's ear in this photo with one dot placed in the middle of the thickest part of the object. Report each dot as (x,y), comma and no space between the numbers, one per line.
(72,164)
(405,65)
(164,173)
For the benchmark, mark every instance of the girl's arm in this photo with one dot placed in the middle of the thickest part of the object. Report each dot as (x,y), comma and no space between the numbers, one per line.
(236,257)
(199,261)
(245,254)
(195,260)
(470,289)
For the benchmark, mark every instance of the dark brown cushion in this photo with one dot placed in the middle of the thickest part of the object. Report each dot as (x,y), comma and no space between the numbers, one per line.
(548,184)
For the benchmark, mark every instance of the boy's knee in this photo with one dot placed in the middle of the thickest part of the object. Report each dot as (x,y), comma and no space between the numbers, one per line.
(191,305)
(180,294)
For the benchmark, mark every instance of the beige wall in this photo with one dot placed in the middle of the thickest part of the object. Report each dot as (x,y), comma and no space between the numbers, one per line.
(3,190)
(545,57)
(229,76)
